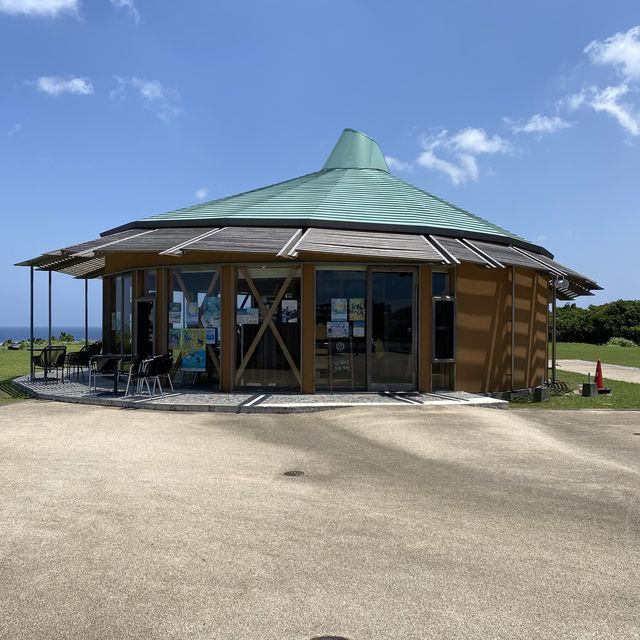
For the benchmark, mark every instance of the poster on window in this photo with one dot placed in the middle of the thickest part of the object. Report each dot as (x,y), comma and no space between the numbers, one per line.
(339,309)
(211,311)
(356,308)
(337,329)
(248,316)
(191,313)
(358,328)
(175,312)
(212,335)
(193,350)
(175,337)
(289,311)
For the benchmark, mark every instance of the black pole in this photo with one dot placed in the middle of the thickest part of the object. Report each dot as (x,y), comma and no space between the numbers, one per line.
(50,308)
(513,327)
(553,334)
(86,313)
(31,322)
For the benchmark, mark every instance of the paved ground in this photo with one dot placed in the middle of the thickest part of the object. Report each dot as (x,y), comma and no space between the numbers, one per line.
(202,399)
(610,371)
(409,523)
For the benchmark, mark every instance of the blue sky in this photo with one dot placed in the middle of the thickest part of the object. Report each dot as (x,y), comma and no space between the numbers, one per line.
(527,114)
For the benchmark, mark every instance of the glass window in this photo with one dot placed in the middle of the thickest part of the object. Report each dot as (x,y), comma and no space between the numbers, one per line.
(149,287)
(268,352)
(443,329)
(194,321)
(440,284)
(341,303)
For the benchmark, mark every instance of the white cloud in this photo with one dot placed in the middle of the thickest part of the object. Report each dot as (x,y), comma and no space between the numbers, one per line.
(202,193)
(608,101)
(15,130)
(130,6)
(165,103)
(462,149)
(55,85)
(621,50)
(429,160)
(398,165)
(476,141)
(574,101)
(38,7)
(540,124)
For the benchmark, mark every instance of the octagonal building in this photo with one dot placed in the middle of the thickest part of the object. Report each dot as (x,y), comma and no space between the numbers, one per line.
(346,279)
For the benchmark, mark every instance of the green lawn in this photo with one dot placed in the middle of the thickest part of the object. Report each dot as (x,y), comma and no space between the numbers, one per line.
(624,395)
(627,356)
(16,363)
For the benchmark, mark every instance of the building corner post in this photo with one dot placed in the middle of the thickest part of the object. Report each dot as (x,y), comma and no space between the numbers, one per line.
(308,319)
(228,337)
(31,337)
(50,307)
(86,313)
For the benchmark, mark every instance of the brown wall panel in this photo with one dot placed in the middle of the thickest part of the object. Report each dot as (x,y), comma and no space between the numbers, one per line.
(483,358)
(484,329)
(531,328)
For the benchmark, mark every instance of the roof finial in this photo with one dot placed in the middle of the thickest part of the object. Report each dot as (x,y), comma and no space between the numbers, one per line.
(355,150)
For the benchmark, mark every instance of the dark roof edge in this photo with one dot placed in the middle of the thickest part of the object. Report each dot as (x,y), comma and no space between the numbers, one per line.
(328,224)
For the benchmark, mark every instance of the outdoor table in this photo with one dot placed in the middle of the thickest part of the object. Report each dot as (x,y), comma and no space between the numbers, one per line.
(118,358)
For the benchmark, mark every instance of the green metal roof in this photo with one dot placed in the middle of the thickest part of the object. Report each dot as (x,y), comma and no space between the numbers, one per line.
(354,188)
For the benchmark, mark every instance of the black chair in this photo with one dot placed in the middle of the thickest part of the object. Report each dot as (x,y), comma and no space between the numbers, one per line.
(79,360)
(100,367)
(165,366)
(149,370)
(133,374)
(50,359)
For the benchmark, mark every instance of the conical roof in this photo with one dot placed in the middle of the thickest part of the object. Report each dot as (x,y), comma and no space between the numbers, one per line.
(354,189)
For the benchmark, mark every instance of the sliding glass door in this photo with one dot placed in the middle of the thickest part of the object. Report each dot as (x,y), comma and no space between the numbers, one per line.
(392,334)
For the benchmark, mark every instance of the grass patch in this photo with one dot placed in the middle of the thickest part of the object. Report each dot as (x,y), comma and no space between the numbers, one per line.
(16,363)
(626,356)
(624,395)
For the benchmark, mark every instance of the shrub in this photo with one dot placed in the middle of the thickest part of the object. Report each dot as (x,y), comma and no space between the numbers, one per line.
(621,342)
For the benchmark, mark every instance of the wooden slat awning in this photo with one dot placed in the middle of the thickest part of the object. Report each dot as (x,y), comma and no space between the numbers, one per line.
(367,244)
(87,259)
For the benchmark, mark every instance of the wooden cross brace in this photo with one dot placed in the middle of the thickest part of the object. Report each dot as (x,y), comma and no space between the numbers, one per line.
(268,322)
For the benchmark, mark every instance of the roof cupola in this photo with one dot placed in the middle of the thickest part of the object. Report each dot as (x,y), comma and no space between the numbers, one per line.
(355,150)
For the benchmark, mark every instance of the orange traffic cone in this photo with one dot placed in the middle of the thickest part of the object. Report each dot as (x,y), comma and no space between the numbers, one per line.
(599,379)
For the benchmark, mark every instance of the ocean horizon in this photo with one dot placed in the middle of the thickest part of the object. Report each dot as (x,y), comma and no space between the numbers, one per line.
(22,333)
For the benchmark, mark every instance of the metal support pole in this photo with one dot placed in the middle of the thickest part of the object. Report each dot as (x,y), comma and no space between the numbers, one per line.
(86,313)
(513,327)
(31,368)
(50,308)
(553,334)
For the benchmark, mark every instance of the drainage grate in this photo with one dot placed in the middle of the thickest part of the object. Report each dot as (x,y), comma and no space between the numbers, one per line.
(297,472)
(329,638)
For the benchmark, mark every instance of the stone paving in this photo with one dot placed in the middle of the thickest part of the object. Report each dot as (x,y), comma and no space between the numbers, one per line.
(194,399)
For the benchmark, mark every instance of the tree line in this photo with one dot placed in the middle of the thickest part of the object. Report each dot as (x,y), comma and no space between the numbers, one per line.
(597,324)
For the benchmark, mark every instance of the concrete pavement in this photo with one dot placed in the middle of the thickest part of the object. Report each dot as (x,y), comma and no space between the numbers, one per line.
(609,371)
(408,523)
